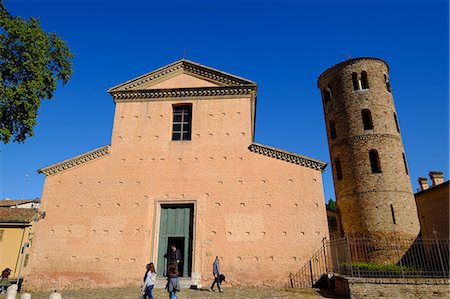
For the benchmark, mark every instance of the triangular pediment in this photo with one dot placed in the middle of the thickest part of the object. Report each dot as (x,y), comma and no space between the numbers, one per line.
(182,74)
(180,80)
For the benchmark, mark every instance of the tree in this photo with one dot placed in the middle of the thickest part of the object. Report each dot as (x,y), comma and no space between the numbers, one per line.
(32,61)
(331,205)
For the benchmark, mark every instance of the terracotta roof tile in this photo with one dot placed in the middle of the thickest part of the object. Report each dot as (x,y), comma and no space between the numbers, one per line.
(8,215)
(13,202)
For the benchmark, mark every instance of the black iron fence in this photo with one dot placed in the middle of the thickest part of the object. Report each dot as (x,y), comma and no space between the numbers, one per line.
(383,257)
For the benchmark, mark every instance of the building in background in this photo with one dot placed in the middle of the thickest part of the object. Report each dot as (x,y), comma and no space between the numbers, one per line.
(16,235)
(20,203)
(182,168)
(433,206)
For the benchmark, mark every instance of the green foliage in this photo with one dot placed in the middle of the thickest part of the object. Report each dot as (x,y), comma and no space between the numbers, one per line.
(31,63)
(378,267)
(331,205)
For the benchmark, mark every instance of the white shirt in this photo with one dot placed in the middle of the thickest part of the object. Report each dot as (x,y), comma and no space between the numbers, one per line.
(150,280)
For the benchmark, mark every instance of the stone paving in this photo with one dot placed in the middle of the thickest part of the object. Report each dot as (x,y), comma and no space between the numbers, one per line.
(230,292)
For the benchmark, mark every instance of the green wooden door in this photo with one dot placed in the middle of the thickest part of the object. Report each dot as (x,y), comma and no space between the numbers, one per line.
(176,228)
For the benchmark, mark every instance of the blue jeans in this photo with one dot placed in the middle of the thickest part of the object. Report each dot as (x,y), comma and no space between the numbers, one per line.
(150,292)
(172,295)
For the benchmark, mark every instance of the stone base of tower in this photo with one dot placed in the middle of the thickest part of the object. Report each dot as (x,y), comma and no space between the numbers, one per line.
(380,248)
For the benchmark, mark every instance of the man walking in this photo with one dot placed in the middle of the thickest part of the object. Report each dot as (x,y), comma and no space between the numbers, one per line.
(216,273)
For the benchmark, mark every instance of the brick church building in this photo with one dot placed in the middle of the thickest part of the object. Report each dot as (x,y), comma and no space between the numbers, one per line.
(182,168)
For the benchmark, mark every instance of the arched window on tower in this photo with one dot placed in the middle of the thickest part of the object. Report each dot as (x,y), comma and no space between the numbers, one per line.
(327,94)
(337,166)
(333,134)
(396,122)
(374,161)
(364,80)
(355,81)
(367,119)
(388,84)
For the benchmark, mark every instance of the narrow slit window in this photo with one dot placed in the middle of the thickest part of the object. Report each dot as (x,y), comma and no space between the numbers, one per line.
(374,161)
(396,122)
(404,162)
(333,134)
(388,84)
(364,80)
(337,165)
(355,81)
(393,214)
(182,122)
(367,119)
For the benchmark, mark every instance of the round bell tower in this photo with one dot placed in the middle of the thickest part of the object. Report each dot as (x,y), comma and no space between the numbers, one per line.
(371,179)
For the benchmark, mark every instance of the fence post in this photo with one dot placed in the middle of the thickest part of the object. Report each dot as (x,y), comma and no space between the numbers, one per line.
(311,273)
(398,253)
(347,239)
(325,254)
(439,252)
(337,257)
(290,278)
(355,246)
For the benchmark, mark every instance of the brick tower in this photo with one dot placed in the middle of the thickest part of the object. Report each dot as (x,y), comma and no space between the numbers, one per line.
(371,178)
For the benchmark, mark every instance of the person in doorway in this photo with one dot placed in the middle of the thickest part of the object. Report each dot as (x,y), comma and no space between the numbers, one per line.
(149,282)
(174,255)
(216,273)
(173,283)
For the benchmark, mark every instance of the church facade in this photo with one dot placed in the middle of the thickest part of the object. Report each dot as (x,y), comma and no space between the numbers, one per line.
(182,168)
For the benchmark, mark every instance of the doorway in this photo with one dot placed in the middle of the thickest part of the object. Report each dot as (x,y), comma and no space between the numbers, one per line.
(176,227)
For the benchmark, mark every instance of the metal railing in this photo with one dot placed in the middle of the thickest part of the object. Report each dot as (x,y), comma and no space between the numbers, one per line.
(312,270)
(385,257)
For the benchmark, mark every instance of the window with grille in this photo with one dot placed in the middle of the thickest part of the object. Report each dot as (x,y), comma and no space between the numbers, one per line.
(182,122)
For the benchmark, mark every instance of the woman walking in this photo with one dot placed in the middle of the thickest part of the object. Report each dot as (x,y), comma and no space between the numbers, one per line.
(149,282)
(173,284)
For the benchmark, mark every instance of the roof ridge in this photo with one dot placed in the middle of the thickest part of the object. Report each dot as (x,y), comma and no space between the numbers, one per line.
(188,66)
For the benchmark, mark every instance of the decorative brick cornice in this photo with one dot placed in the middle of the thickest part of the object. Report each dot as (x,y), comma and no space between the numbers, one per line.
(150,94)
(364,137)
(287,156)
(75,161)
(188,67)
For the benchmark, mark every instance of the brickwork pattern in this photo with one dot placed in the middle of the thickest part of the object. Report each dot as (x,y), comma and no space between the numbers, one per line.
(364,198)
(398,288)
(263,216)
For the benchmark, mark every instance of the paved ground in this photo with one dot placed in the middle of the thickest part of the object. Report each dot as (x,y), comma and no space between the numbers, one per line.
(231,292)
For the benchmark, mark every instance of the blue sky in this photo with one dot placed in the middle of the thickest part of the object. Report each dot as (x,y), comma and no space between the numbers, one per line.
(282,45)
